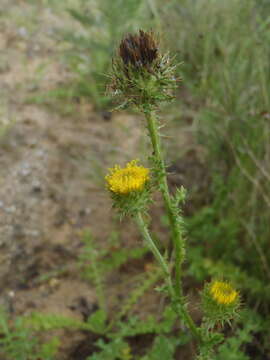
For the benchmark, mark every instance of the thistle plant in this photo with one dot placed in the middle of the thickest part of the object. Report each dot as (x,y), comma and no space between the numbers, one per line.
(143,77)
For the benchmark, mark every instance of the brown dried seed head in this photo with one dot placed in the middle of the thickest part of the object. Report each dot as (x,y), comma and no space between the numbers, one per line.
(138,49)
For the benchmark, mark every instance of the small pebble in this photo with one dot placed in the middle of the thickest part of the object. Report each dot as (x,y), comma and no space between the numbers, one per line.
(11,209)
(11,294)
(22,31)
(40,153)
(36,186)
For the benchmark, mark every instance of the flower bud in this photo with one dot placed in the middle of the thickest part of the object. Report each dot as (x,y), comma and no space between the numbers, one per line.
(220,302)
(129,187)
(141,76)
(139,50)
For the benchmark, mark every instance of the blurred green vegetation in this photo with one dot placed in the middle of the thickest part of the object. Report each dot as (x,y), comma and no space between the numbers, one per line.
(90,49)
(225,50)
(21,343)
(224,46)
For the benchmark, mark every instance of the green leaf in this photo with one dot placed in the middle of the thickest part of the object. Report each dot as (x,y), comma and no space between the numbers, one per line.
(114,350)
(97,321)
(48,350)
(163,348)
(46,322)
(84,19)
(180,195)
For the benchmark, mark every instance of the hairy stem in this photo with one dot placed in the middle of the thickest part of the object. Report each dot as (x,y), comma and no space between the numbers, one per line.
(150,243)
(172,215)
(98,282)
(178,306)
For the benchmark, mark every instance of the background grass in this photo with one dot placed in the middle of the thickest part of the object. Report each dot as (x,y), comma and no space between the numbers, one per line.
(226,74)
(225,50)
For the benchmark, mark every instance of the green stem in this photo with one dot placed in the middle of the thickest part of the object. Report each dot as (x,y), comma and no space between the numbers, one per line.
(147,237)
(183,314)
(99,288)
(177,303)
(176,230)
(173,217)
(98,280)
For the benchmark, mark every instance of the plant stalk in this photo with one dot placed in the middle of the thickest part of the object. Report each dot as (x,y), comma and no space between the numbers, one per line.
(148,239)
(173,217)
(178,305)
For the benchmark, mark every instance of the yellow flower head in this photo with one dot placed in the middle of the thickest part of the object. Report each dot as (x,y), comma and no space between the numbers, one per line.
(223,293)
(125,180)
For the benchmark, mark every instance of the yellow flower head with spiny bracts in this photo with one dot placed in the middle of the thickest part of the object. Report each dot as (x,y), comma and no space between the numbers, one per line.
(223,293)
(131,178)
